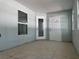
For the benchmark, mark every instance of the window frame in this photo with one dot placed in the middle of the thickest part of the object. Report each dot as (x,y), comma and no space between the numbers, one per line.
(22,23)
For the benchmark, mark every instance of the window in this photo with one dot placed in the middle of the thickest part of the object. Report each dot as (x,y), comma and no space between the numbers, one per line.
(22,17)
(22,23)
(22,29)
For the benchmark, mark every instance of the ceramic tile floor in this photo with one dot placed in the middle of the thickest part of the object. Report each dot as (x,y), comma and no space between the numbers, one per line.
(41,50)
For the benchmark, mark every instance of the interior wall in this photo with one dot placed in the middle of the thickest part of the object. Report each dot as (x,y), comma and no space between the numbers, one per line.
(75,23)
(9,24)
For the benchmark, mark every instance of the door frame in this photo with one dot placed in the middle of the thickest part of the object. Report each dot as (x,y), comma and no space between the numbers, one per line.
(44,27)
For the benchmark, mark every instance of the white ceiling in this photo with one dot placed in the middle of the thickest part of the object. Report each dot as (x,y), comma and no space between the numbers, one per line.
(47,5)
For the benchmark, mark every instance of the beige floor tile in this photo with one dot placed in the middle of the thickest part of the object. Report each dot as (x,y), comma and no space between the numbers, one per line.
(41,50)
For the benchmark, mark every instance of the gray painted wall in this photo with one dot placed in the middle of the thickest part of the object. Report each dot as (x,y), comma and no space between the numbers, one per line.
(75,25)
(9,24)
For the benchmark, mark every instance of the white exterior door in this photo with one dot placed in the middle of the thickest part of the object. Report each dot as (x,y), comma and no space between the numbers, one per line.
(2,27)
(54,28)
(2,31)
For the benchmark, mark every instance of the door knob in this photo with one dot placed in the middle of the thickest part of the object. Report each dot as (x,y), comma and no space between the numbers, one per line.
(0,35)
